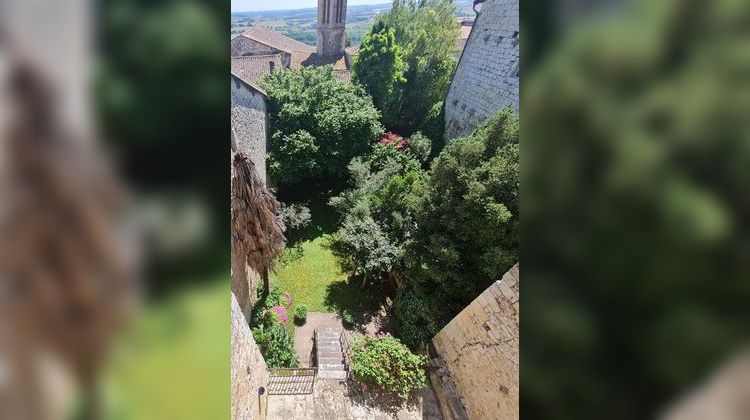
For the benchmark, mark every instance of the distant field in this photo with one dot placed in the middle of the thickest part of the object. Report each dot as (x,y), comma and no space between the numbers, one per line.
(299,24)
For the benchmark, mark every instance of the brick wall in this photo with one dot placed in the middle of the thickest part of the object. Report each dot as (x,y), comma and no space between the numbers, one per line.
(486,79)
(478,352)
(249,371)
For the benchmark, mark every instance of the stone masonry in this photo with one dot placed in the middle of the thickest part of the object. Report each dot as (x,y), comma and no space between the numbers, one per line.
(249,371)
(250,122)
(478,356)
(486,79)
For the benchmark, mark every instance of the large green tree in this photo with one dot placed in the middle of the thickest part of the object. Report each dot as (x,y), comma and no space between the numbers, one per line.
(318,122)
(428,33)
(379,67)
(376,215)
(467,217)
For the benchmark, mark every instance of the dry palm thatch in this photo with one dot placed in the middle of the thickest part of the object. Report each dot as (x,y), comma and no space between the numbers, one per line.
(69,278)
(257,231)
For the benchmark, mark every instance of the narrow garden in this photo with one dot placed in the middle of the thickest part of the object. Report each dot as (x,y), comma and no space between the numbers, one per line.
(389,231)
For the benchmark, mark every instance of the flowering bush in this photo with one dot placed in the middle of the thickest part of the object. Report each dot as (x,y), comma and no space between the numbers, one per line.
(287,300)
(281,312)
(384,363)
(393,139)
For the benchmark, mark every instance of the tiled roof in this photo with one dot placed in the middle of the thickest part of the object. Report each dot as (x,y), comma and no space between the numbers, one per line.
(253,67)
(277,40)
(315,60)
(352,50)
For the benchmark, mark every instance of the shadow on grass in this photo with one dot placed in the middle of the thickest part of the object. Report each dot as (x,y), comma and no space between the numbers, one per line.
(364,303)
(323,218)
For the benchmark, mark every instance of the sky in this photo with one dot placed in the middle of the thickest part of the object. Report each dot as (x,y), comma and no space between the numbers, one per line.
(258,5)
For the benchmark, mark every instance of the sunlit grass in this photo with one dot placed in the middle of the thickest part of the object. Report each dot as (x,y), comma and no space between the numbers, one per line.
(305,271)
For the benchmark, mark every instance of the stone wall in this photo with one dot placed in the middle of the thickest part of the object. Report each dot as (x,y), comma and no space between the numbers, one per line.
(250,122)
(241,46)
(477,353)
(486,79)
(249,371)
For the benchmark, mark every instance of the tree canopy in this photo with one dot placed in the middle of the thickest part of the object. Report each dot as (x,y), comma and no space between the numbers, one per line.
(428,33)
(318,122)
(379,68)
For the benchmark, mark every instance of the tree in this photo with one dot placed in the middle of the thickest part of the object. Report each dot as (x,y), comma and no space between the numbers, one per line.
(379,67)
(467,216)
(319,123)
(377,221)
(428,33)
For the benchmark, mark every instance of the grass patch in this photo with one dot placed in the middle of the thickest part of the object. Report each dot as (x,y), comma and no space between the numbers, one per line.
(306,271)
(175,362)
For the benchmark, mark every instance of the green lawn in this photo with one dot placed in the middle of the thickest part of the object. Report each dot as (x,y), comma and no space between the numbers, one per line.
(306,271)
(174,363)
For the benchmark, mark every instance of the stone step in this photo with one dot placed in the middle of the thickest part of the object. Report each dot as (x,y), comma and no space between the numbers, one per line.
(338,375)
(330,366)
(329,348)
(330,359)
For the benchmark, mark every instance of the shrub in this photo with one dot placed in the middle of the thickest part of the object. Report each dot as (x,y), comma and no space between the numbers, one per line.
(415,317)
(295,216)
(385,363)
(276,345)
(281,312)
(300,314)
(347,317)
(287,300)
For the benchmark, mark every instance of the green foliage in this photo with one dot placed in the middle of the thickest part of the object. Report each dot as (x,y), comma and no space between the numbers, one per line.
(467,215)
(428,32)
(300,314)
(379,68)
(361,245)
(372,237)
(386,364)
(434,127)
(319,123)
(635,204)
(347,317)
(295,216)
(275,344)
(417,317)
(419,146)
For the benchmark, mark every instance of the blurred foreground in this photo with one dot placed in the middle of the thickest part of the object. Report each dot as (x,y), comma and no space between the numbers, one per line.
(635,210)
(113,254)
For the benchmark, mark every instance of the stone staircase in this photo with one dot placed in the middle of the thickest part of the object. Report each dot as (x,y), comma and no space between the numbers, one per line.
(329,354)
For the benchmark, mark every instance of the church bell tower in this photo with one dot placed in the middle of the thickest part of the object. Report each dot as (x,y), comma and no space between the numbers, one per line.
(331,27)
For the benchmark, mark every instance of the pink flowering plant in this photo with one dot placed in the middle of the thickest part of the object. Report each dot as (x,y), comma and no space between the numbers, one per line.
(393,139)
(382,362)
(281,312)
(287,300)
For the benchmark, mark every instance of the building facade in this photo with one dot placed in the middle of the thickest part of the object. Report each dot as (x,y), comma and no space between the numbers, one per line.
(486,79)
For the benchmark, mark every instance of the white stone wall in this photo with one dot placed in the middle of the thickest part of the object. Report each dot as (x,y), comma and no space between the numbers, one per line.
(486,79)
(249,371)
(479,349)
(250,123)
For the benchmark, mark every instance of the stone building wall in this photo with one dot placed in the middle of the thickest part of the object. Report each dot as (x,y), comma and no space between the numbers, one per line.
(248,373)
(250,122)
(477,353)
(241,46)
(486,79)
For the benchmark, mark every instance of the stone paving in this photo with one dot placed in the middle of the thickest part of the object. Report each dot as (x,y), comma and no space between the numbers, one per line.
(333,400)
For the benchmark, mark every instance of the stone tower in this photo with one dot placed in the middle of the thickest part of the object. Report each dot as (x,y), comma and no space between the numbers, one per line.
(331,27)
